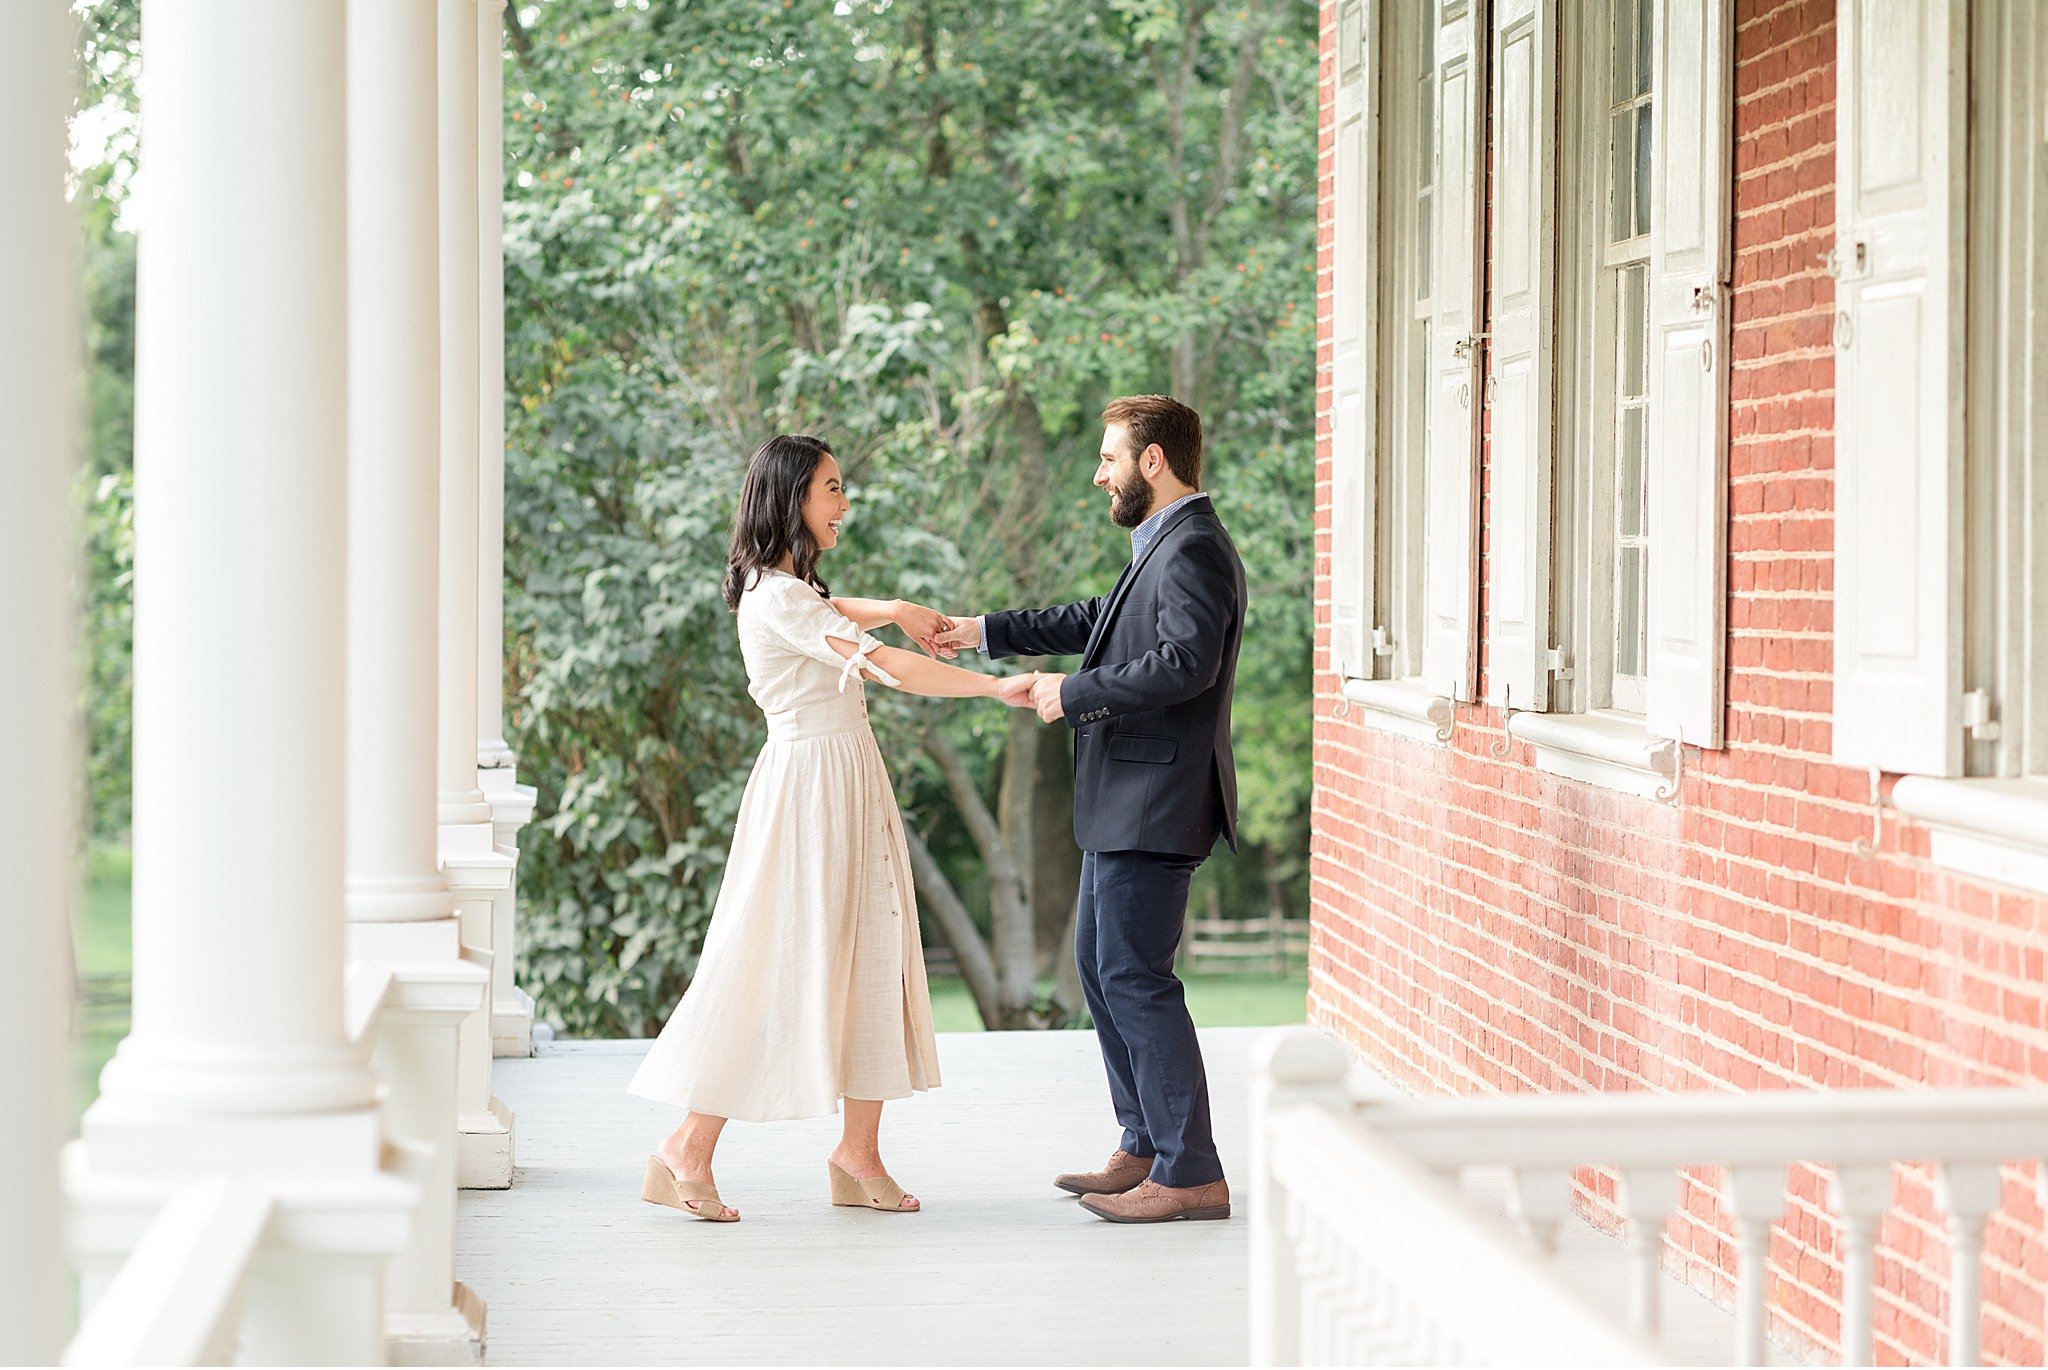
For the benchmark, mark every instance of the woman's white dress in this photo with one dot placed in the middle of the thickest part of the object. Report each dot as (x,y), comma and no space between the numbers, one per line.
(811,986)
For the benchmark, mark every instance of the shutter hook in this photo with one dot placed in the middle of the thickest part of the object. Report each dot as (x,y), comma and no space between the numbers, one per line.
(1868,847)
(1499,750)
(1667,790)
(1449,727)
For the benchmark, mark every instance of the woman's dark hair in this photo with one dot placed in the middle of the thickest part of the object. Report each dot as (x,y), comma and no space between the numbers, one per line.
(770,522)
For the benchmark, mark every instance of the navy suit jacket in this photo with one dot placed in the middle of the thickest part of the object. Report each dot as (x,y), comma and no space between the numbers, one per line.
(1150,704)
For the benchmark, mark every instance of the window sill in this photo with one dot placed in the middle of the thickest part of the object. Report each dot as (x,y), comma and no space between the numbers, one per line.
(1407,707)
(1996,829)
(1611,750)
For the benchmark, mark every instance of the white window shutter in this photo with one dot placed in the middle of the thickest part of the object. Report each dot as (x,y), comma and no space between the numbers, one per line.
(1521,354)
(1450,484)
(1693,78)
(1899,257)
(1353,312)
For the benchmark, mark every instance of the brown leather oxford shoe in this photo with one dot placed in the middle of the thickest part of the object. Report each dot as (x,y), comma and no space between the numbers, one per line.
(1124,1173)
(1156,1203)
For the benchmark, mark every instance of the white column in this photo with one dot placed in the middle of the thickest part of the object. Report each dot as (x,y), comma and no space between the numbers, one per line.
(477,872)
(492,751)
(401,912)
(39,362)
(239,1060)
(497,768)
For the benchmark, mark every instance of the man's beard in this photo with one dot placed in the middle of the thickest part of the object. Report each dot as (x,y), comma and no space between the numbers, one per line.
(1132,503)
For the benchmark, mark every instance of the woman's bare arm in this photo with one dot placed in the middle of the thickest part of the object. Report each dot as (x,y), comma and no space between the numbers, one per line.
(868,613)
(921,624)
(933,679)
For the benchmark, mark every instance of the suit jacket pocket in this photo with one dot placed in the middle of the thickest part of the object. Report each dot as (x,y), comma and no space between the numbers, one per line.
(1137,747)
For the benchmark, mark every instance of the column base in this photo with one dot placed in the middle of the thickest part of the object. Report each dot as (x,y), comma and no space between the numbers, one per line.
(512,1025)
(314,1290)
(451,1336)
(483,1148)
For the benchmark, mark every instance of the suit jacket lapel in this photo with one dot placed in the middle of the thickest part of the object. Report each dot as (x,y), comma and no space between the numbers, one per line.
(1130,575)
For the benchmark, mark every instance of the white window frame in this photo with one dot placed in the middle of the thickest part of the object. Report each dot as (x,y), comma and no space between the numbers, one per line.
(1589,355)
(1994,823)
(1597,732)
(1414,382)
(1403,419)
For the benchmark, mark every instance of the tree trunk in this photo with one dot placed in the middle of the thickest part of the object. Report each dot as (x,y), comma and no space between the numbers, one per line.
(1056,861)
(956,926)
(1009,910)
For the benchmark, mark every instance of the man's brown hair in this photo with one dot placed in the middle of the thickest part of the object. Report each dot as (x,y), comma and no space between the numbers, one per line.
(1175,427)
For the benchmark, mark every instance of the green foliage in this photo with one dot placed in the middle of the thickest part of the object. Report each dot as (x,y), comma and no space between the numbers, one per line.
(938,234)
(941,242)
(107,507)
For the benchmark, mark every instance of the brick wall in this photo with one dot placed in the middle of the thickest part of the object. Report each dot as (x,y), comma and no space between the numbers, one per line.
(1482,927)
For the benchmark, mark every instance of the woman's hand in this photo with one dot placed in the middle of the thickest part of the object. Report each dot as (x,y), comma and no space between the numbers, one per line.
(1015,690)
(922,624)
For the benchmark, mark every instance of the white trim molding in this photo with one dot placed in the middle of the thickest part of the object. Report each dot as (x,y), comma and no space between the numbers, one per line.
(1611,750)
(1411,708)
(1996,829)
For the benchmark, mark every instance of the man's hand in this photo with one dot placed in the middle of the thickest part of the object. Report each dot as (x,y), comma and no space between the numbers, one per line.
(923,625)
(1015,690)
(960,634)
(1045,695)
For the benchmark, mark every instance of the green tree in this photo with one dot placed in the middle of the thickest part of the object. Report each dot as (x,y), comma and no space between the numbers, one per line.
(941,237)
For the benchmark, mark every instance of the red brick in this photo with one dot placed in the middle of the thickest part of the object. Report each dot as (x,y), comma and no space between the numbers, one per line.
(1479,925)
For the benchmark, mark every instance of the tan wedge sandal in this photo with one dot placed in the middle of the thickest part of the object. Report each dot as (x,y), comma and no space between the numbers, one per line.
(878,1192)
(694,1197)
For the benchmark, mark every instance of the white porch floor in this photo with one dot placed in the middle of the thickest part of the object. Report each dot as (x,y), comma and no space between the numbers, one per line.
(1000,1268)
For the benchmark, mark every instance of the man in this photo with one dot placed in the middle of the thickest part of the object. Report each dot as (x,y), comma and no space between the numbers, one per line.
(1154,787)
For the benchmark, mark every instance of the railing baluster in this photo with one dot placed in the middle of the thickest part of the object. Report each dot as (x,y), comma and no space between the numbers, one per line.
(1756,1195)
(1539,1200)
(1290,1069)
(1647,1198)
(1859,1195)
(1970,1193)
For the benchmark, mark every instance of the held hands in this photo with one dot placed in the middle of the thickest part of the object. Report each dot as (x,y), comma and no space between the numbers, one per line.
(1038,690)
(1015,690)
(961,634)
(924,626)
(945,637)
(1045,696)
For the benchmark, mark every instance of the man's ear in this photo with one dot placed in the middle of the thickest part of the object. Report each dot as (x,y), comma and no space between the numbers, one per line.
(1152,461)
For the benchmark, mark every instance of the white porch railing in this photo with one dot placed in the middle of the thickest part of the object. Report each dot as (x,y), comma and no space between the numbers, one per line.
(1364,1253)
(178,1297)
(183,1293)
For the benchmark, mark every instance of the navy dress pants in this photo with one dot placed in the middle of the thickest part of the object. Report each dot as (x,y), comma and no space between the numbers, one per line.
(1133,909)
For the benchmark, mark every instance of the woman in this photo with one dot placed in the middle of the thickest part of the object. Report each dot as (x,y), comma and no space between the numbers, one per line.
(811,988)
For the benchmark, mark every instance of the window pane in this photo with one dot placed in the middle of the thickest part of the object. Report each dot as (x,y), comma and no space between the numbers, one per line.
(1624,53)
(1643,46)
(1641,27)
(1628,612)
(1642,177)
(1621,192)
(1632,299)
(1628,488)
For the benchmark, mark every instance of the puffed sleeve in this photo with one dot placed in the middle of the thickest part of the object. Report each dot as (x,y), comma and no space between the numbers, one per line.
(804,618)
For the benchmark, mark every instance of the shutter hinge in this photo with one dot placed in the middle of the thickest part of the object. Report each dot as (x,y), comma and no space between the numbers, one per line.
(1559,663)
(1382,645)
(1852,266)
(1980,715)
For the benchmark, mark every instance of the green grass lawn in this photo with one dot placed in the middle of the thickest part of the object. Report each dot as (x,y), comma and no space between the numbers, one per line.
(1214,1000)
(103,961)
(102,940)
